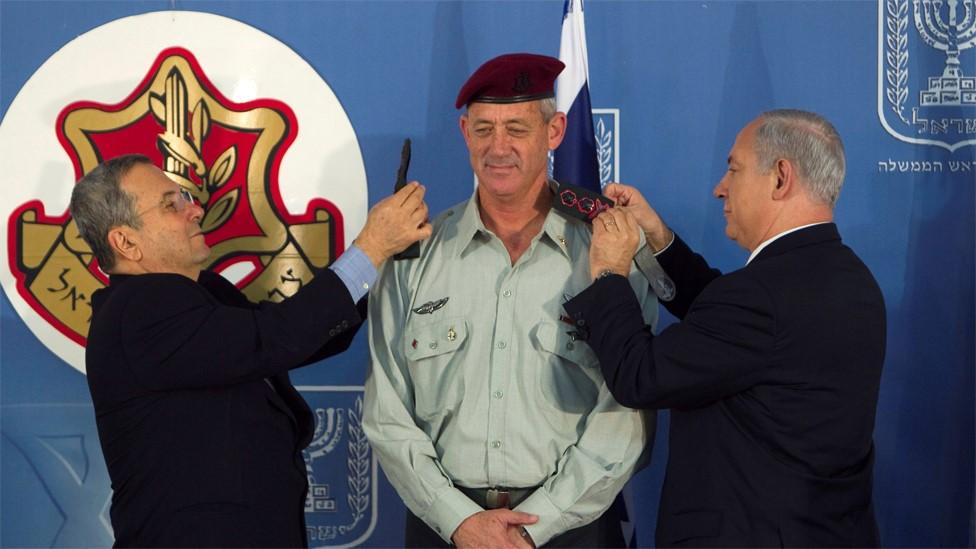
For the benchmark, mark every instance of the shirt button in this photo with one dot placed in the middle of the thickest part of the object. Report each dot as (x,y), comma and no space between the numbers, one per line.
(496,444)
(501,344)
(497,394)
(569,346)
(433,345)
(507,293)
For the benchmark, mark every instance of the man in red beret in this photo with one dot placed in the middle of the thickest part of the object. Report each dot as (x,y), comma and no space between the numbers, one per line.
(494,425)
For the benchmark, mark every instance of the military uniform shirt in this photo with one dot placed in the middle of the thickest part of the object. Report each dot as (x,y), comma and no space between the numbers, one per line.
(477,378)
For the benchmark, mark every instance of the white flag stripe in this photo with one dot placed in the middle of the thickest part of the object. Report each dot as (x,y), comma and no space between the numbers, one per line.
(572,52)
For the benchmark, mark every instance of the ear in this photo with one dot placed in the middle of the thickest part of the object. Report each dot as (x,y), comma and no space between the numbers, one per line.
(463,124)
(557,130)
(122,244)
(785,175)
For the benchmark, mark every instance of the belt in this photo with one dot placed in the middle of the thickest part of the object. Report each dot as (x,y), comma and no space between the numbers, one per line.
(498,497)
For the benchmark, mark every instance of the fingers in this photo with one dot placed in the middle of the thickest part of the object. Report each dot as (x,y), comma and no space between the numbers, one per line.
(615,239)
(411,194)
(603,222)
(424,231)
(408,190)
(616,192)
(624,220)
(517,518)
(614,219)
(623,195)
(419,213)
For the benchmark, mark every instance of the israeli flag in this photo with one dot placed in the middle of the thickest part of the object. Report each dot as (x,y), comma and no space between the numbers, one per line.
(575,161)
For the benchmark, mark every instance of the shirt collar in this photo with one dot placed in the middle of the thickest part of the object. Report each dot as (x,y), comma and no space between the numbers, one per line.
(470,226)
(760,247)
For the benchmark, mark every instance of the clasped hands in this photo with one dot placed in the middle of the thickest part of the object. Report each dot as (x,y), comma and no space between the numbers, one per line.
(501,528)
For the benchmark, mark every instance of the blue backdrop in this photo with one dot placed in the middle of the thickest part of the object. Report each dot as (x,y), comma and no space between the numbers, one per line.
(685,76)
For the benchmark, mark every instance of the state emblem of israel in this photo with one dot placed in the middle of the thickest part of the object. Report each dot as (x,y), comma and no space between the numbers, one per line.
(340,508)
(927,71)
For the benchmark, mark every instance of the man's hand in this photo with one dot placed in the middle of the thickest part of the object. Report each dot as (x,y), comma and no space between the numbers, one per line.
(657,233)
(519,540)
(494,528)
(394,223)
(615,240)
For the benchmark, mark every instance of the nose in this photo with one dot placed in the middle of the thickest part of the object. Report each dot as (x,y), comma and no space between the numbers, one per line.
(195,212)
(499,143)
(721,190)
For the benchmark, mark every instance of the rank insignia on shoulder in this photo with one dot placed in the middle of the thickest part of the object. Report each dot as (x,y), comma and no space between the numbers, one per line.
(579,202)
(430,306)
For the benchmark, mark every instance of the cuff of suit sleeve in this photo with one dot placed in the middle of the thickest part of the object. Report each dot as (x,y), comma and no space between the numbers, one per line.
(448,511)
(668,245)
(550,522)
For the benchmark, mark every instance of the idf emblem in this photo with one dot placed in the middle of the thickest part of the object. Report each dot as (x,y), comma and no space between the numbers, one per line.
(927,71)
(226,154)
(340,508)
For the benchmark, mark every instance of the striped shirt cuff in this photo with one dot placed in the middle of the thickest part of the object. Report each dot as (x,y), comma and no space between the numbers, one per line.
(356,271)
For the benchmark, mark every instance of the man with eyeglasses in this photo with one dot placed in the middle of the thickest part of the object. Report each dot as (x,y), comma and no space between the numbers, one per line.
(200,426)
(491,421)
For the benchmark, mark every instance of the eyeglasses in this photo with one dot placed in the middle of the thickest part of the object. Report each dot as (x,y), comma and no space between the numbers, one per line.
(177,200)
(586,205)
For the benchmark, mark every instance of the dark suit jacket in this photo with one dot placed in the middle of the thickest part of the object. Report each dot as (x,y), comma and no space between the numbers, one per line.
(201,450)
(772,376)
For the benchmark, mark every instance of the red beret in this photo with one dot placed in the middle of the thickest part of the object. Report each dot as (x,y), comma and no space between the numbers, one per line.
(511,78)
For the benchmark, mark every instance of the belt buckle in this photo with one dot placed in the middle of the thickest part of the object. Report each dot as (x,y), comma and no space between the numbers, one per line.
(496,499)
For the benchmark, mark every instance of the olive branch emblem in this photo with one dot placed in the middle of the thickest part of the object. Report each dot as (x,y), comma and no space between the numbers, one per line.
(896,57)
(358,464)
(604,141)
(182,146)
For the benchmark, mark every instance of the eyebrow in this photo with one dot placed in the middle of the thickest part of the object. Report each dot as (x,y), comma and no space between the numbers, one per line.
(503,122)
(167,194)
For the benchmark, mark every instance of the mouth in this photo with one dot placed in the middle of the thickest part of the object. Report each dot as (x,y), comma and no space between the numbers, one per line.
(500,163)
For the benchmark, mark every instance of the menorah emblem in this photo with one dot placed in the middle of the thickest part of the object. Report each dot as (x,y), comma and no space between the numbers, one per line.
(951,35)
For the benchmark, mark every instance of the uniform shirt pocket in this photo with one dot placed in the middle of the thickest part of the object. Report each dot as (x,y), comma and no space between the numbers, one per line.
(434,352)
(570,379)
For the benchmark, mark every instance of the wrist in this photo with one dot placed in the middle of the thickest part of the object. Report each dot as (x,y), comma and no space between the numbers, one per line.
(526,536)
(603,272)
(375,255)
(658,239)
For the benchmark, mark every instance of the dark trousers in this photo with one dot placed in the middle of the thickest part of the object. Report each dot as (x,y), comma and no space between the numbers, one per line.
(605,531)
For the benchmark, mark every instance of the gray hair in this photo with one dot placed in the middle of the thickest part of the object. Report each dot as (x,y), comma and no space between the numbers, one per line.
(98,203)
(547,108)
(810,142)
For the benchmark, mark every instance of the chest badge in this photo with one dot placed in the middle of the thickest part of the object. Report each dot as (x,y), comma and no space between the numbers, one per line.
(430,306)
